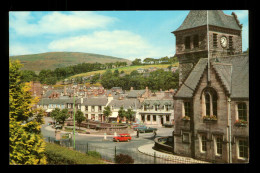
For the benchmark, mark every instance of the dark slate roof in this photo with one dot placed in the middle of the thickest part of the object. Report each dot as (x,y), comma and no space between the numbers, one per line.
(135,93)
(46,101)
(126,103)
(95,101)
(240,74)
(238,86)
(197,18)
(188,87)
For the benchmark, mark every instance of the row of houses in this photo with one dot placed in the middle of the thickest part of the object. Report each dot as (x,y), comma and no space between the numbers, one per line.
(150,108)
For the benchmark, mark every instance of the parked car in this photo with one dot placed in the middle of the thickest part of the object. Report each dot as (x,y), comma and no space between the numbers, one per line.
(144,129)
(122,137)
(58,127)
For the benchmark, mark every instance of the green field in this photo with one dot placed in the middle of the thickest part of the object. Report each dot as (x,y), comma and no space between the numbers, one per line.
(127,69)
(52,60)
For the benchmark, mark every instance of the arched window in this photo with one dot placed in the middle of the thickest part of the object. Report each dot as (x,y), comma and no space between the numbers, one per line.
(209,102)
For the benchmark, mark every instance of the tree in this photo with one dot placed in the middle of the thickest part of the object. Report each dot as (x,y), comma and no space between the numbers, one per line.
(95,78)
(116,73)
(121,113)
(63,115)
(129,114)
(26,145)
(39,116)
(28,75)
(55,114)
(79,117)
(137,62)
(107,112)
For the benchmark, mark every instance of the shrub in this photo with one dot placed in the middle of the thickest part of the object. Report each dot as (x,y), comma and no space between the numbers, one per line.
(94,154)
(124,159)
(57,155)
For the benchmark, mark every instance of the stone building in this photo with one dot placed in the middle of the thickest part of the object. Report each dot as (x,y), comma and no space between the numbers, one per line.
(212,99)
(191,38)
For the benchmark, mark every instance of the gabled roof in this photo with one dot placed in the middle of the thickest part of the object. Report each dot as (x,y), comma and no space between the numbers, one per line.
(135,93)
(187,89)
(197,18)
(95,101)
(237,84)
(126,103)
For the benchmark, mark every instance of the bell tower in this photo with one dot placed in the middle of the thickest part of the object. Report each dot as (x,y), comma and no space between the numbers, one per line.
(225,38)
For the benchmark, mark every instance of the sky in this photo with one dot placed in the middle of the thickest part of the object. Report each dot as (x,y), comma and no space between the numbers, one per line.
(123,34)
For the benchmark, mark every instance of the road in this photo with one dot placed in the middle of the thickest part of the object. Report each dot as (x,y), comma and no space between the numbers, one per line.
(107,147)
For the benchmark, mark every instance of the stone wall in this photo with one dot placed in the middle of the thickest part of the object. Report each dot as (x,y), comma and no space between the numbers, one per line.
(213,129)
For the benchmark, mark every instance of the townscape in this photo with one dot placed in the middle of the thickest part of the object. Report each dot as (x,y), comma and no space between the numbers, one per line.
(202,120)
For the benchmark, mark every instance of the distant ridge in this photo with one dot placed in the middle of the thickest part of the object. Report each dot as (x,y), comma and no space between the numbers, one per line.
(52,60)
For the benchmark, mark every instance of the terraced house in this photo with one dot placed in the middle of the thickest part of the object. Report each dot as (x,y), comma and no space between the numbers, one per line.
(212,103)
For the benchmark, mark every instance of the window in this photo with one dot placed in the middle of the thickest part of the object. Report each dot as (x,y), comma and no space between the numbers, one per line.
(154,117)
(142,116)
(242,111)
(187,109)
(210,102)
(185,137)
(167,107)
(215,40)
(86,108)
(203,143)
(145,108)
(196,41)
(243,148)
(219,141)
(156,107)
(92,108)
(148,117)
(187,43)
(167,118)
(99,108)
(230,40)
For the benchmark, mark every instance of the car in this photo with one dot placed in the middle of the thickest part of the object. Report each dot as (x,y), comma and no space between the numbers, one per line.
(122,137)
(58,127)
(144,129)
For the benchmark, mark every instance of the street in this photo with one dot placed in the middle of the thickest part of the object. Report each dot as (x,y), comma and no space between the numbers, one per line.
(107,147)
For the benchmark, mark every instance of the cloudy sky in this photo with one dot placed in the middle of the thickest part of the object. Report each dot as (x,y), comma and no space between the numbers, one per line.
(124,34)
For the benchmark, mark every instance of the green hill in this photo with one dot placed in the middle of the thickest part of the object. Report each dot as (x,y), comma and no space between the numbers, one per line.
(52,60)
(127,69)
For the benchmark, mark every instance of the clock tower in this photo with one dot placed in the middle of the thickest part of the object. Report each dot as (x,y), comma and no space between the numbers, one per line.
(225,38)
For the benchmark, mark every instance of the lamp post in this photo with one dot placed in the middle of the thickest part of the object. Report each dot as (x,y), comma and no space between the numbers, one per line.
(74,119)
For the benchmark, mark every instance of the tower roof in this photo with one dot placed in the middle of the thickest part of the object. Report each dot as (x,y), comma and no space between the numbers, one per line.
(197,18)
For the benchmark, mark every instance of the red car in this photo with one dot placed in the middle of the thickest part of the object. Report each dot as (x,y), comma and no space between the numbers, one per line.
(122,137)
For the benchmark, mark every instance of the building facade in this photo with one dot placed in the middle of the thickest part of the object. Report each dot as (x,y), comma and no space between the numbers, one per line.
(212,108)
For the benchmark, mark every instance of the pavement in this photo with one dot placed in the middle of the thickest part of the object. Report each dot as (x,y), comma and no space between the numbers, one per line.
(148,150)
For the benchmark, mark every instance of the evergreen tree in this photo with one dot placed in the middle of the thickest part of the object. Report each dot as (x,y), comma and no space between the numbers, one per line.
(26,145)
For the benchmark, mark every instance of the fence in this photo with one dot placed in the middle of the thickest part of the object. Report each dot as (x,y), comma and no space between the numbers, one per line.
(108,153)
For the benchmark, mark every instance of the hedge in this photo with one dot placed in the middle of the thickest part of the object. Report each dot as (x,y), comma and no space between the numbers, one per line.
(59,155)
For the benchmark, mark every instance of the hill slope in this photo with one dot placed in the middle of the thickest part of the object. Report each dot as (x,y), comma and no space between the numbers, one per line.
(127,69)
(52,60)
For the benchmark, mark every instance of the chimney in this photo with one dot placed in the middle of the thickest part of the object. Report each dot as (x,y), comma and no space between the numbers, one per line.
(65,92)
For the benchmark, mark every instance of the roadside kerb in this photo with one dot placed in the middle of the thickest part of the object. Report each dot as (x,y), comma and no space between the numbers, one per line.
(148,150)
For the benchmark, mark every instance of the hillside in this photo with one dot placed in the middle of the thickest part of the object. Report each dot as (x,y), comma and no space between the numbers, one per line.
(127,69)
(52,60)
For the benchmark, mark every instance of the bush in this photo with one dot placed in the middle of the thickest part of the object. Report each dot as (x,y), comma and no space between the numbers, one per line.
(58,155)
(94,154)
(124,159)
